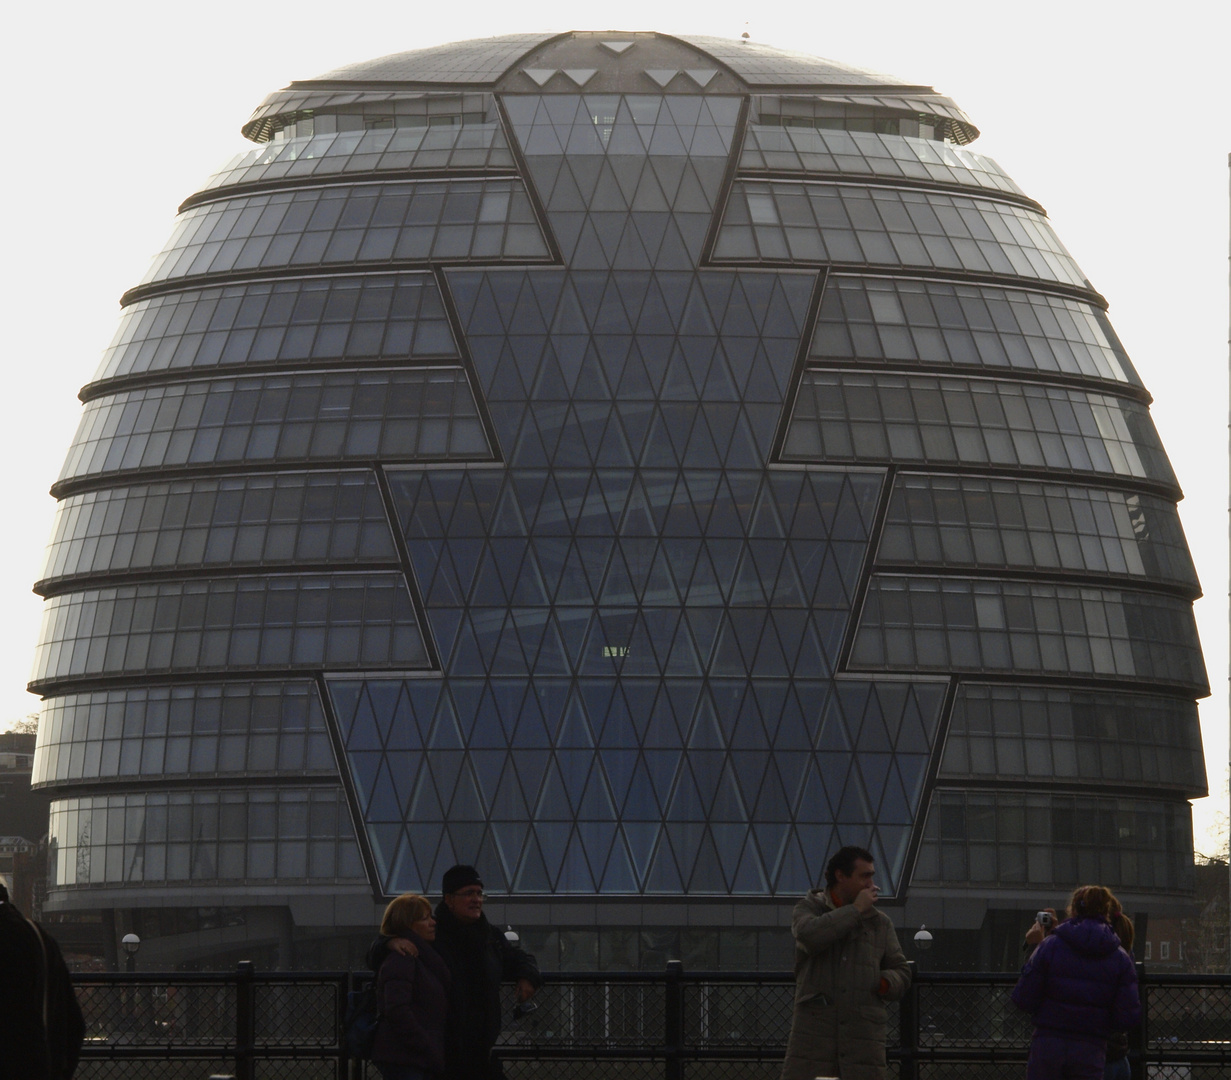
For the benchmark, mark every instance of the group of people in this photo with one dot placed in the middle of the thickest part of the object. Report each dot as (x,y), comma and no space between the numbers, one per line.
(438,976)
(1079,983)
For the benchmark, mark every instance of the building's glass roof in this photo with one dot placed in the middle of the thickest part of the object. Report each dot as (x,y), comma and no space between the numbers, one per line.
(482,60)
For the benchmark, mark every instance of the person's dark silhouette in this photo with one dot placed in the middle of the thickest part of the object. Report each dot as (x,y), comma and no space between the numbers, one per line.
(41,1027)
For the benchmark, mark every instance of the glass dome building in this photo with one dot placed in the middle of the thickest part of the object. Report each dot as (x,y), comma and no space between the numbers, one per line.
(635,465)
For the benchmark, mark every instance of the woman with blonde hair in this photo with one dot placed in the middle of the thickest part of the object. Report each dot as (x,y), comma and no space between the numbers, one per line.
(1080,986)
(412,994)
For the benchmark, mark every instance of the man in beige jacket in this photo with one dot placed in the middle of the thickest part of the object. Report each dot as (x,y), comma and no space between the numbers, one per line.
(847,964)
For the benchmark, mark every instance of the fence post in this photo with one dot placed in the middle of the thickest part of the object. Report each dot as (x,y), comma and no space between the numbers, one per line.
(245,1021)
(1138,1037)
(908,1028)
(673,1022)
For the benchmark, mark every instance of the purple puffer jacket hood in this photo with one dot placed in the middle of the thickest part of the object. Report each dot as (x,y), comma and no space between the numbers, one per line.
(1080,983)
(1089,937)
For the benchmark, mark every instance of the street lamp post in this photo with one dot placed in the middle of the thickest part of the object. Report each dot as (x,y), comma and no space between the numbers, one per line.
(131,943)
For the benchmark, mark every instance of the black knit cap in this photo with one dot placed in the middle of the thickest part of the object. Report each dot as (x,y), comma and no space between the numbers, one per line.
(459,877)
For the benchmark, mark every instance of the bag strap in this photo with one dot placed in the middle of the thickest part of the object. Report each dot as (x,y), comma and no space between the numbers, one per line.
(45,980)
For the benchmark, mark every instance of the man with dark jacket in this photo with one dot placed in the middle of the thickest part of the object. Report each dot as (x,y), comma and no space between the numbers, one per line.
(41,1028)
(479,958)
(847,964)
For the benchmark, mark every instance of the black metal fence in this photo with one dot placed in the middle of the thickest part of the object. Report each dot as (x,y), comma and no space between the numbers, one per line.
(671,1025)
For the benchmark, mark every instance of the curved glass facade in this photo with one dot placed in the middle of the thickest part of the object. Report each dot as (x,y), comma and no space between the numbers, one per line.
(635,493)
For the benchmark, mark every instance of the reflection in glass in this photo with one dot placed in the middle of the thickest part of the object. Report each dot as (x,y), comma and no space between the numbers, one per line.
(851,416)
(221,729)
(426,413)
(288,518)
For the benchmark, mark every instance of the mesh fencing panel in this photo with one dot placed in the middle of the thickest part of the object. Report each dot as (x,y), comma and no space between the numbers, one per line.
(141,1014)
(299,1069)
(616,1015)
(584,1069)
(297,1014)
(738,1015)
(1189,1017)
(970,1070)
(96,1069)
(976,1014)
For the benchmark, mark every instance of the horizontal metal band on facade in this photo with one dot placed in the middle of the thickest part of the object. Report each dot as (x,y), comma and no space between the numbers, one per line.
(286,622)
(410,176)
(1049,631)
(1009,839)
(873,224)
(209,731)
(427,413)
(982,424)
(288,520)
(903,183)
(278,834)
(356,269)
(1027,328)
(295,320)
(1054,735)
(789,150)
(358,223)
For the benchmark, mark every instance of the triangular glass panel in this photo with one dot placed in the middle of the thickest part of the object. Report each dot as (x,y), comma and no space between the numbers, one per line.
(574,766)
(508,803)
(540,75)
(405,876)
(488,766)
(404,769)
(662,76)
(466,804)
(642,803)
(553,840)
(854,808)
(663,875)
(894,808)
(874,770)
(687,802)
(701,76)
(750,878)
(617,47)
(532,876)
(553,802)
(509,834)
(425,804)
(364,765)
(793,874)
(708,878)
(641,837)
(727,805)
(384,841)
(495,875)
(574,875)
(662,766)
(619,877)
(771,838)
(580,76)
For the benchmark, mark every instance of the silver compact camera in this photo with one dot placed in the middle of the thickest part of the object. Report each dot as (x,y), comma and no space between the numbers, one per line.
(1044,919)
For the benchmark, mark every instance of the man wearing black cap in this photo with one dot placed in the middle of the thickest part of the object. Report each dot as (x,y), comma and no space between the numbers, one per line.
(480,958)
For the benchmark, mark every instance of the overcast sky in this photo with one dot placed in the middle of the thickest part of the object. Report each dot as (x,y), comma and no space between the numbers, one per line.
(1118,121)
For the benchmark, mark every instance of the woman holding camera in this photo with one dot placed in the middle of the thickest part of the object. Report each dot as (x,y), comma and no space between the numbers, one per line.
(1080,986)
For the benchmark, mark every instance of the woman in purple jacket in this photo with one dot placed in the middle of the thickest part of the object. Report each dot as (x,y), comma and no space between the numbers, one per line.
(412,994)
(1080,986)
